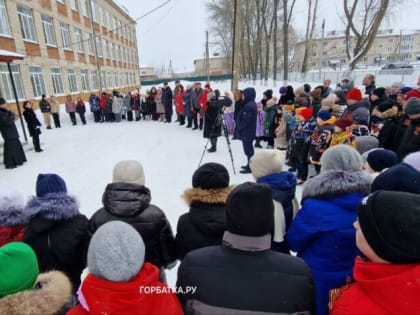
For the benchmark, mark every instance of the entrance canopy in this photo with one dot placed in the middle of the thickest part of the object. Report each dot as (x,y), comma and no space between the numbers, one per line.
(9,56)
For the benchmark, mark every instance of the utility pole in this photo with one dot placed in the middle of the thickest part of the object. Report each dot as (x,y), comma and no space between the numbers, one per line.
(236,43)
(98,65)
(207,57)
(321,49)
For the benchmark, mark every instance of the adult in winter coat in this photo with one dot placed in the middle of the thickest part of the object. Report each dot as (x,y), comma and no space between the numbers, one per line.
(95,108)
(322,232)
(23,290)
(160,109)
(383,109)
(33,125)
(357,107)
(104,109)
(179,93)
(12,220)
(246,125)
(71,110)
(242,275)
(167,99)
(119,281)
(45,108)
(411,140)
(56,231)
(213,119)
(267,168)
(81,109)
(386,274)
(187,106)
(369,83)
(55,111)
(270,121)
(13,154)
(196,95)
(204,224)
(116,106)
(128,199)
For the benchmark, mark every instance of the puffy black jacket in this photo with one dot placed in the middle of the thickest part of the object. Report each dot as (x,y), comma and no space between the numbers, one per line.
(232,280)
(58,234)
(131,203)
(204,224)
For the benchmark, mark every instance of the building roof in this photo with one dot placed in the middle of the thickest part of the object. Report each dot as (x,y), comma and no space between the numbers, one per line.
(9,56)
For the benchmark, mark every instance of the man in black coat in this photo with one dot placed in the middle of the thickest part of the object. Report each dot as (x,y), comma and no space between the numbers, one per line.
(246,125)
(45,108)
(33,125)
(12,150)
(213,119)
(243,276)
(167,98)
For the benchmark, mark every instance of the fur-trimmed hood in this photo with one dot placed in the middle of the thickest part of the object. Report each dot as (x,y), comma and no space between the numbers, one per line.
(54,207)
(389,113)
(208,196)
(12,217)
(333,183)
(50,294)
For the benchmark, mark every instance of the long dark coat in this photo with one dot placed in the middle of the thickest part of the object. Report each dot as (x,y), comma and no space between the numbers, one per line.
(32,121)
(13,151)
(213,116)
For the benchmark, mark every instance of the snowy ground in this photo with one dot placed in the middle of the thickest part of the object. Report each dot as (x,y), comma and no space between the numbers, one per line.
(84,155)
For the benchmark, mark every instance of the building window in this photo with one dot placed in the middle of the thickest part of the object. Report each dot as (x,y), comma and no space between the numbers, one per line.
(89,43)
(84,6)
(100,15)
(79,39)
(106,48)
(94,15)
(7,83)
(98,46)
(104,17)
(103,80)
(48,28)
(65,35)
(111,51)
(57,81)
(116,79)
(73,5)
(72,80)
(84,79)
(37,80)
(4,20)
(95,80)
(26,23)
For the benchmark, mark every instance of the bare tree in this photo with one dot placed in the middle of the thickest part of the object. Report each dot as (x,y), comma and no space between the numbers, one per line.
(287,15)
(362,19)
(275,30)
(310,27)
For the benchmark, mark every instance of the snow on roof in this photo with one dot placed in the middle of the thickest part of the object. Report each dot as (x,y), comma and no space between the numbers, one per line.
(9,56)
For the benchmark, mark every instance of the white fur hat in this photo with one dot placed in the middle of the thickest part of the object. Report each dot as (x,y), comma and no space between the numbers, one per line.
(266,162)
(129,171)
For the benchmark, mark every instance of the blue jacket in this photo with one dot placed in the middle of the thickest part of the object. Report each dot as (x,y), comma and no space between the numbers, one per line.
(246,122)
(322,232)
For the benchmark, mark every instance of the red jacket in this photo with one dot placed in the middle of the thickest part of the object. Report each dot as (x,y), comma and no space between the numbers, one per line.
(179,104)
(128,298)
(11,234)
(203,98)
(102,102)
(379,289)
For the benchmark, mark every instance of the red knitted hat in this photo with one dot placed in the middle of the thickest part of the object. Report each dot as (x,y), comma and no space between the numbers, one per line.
(354,94)
(343,123)
(306,113)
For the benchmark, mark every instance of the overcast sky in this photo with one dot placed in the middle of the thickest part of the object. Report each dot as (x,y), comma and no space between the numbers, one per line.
(176,32)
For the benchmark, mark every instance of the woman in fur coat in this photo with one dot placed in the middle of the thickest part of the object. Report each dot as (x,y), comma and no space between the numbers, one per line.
(12,219)
(57,231)
(204,224)
(322,232)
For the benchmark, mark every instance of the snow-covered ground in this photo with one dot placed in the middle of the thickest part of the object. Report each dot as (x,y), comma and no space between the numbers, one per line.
(84,155)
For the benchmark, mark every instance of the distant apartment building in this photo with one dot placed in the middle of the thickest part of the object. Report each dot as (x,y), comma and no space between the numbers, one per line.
(147,73)
(389,46)
(71,47)
(217,66)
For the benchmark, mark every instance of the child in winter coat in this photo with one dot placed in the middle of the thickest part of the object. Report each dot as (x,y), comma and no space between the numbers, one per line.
(179,104)
(33,125)
(387,271)
(259,135)
(23,290)
(320,137)
(12,219)
(267,168)
(55,111)
(282,131)
(71,110)
(81,109)
(270,121)
(119,281)
(341,134)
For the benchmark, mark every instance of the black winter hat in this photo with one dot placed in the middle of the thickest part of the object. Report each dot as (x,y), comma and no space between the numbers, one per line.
(381,159)
(390,222)
(268,93)
(379,92)
(211,175)
(250,210)
(401,177)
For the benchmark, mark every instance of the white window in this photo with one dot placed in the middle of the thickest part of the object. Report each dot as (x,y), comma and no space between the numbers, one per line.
(84,79)
(26,23)
(94,15)
(72,80)
(7,83)
(109,79)
(4,20)
(37,80)
(100,15)
(95,80)
(89,43)
(106,48)
(73,5)
(79,39)
(57,81)
(104,17)
(103,80)
(111,51)
(48,28)
(119,30)
(114,23)
(98,46)
(65,35)
(84,5)
(115,79)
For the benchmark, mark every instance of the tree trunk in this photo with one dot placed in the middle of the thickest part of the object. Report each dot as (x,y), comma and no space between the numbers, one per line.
(275,18)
